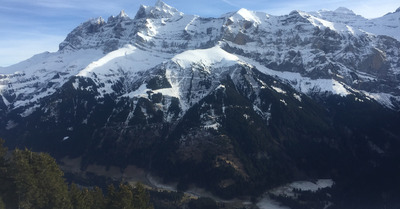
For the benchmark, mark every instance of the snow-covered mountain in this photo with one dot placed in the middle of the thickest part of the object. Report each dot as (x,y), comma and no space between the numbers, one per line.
(387,25)
(326,50)
(238,92)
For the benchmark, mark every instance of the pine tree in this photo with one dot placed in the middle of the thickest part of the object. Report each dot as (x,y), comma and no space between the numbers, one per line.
(3,169)
(7,188)
(39,181)
(3,166)
(23,177)
(111,196)
(127,197)
(75,196)
(141,198)
(2,205)
(98,199)
(121,199)
(87,199)
(3,153)
(124,197)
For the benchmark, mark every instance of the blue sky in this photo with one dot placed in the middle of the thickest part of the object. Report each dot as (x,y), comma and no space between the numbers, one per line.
(29,27)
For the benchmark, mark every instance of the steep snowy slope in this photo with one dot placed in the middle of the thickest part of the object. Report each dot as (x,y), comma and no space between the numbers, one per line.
(386,25)
(27,82)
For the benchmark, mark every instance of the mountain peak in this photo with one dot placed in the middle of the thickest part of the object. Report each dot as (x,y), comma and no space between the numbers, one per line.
(122,14)
(89,27)
(344,10)
(244,14)
(159,10)
(165,9)
(161,4)
(397,10)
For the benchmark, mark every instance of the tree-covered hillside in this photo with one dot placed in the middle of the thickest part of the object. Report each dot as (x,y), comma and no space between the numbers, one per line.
(31,180)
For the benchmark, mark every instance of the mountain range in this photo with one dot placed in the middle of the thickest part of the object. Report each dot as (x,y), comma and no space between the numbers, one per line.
(237,104)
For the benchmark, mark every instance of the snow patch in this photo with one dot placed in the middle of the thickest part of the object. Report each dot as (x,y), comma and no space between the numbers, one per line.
(140,92)
(156,182)
(358,99)
(214,126)
(265,115)
(11,124)
(383,98)
(6,102)
(296,96)
(220,87)
(279,90)
(283,101)
(207,57)
(172,92)
(75,84)
(268,203)
(210,120)
(287,190)
(375,148)
(29,111)
(312,186)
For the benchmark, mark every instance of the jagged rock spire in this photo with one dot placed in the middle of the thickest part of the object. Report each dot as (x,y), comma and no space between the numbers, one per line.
(121,16)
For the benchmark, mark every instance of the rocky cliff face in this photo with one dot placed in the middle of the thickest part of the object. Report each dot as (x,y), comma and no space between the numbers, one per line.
(235,104)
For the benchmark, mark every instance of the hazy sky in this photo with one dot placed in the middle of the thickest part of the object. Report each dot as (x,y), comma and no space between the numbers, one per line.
(29,27)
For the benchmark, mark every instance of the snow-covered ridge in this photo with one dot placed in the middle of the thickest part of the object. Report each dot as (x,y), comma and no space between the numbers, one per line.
(339,27)
(386,25)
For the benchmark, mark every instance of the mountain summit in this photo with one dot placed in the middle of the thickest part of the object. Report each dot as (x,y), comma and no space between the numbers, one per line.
(159,10)
(344,10)
(236,105)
